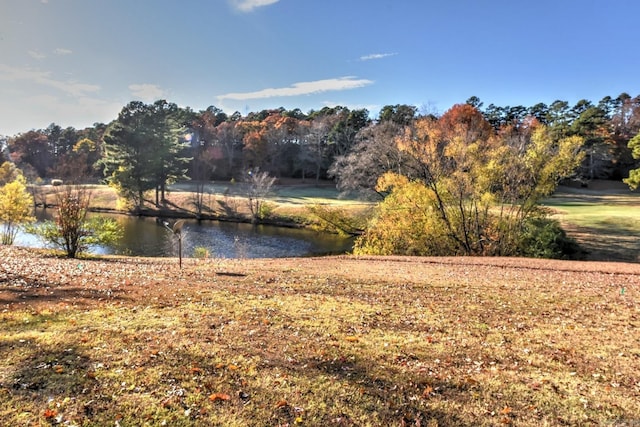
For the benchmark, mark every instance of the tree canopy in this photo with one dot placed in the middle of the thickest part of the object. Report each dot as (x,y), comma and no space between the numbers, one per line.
(16,207)
(150,145)
(468,190)
(145,149)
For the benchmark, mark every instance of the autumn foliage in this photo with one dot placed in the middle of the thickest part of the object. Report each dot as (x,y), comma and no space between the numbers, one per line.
(467,190)
(16,208)
(73,230)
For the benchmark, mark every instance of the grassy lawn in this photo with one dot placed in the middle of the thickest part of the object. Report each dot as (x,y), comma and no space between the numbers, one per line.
(340,341)
(606,223)
(299,194)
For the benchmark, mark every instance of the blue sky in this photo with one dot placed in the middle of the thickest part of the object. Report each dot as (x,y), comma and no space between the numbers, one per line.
(77,62)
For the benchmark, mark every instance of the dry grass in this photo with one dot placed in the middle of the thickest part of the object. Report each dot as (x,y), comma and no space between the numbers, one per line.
(318,341)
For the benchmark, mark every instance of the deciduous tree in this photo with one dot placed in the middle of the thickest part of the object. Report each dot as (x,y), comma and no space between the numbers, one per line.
(634,175)
(72,231)
(259,185)
(32,149)
(374,153)
(470,192)
(16,208)
(8,172)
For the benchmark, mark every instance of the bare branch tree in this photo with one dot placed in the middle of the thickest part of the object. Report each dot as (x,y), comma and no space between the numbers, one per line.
(259,185)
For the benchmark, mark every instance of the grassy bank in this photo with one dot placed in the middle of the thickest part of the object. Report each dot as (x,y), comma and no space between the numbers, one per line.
(605,220)
(287,204)
(318,341)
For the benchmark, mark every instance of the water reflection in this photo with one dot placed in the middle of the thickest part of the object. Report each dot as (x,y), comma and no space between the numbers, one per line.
(145,237)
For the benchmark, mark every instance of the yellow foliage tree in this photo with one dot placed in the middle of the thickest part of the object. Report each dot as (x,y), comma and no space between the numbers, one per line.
(472,191)
(8,172)
(16,208)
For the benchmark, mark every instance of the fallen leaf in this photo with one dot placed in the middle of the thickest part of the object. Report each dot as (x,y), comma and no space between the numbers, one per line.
(506,410)
(281,403)
(219,396)
(427,391)
(58,368)
(50,413)
(352,338)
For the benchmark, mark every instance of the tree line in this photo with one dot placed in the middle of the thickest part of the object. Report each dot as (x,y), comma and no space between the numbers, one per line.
(465,182)
(150,145)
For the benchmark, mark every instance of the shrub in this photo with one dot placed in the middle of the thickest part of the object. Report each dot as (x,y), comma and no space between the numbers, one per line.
(543,237)
(201,252)
(72,231)
(266,210)
(259,185)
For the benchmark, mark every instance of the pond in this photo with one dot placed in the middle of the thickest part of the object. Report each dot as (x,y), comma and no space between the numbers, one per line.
(146,237)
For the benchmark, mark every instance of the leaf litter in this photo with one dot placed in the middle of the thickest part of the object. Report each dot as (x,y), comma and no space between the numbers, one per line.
(339,340)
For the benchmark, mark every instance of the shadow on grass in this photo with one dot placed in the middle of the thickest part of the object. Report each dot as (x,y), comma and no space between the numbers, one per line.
(402,399)
(609,242)
(44,371)
(50,377)
(19,289)
(230,274)
(341,391)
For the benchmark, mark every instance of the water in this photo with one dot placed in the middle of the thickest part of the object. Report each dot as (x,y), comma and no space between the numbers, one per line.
(145,237)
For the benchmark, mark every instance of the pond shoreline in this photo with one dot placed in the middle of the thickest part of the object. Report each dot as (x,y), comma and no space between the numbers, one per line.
(179,214)
(235,236)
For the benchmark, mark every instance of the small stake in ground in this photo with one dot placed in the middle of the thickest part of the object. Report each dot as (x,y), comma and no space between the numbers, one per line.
(177,231)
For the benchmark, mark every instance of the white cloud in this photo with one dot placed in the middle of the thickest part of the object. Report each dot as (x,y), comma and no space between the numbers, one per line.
(249,5)
(62,51)
(36,55)
(302,88)
(376,56)
(14,74)
(146,92)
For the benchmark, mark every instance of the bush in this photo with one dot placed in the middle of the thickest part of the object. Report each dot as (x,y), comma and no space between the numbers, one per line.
(72,231)
(201,252)
(266,209)
(543,237)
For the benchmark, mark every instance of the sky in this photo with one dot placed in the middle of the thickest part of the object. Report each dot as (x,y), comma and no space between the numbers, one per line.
(78,62)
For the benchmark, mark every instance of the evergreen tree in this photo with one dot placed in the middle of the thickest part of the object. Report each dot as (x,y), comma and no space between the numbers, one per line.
(144,149)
